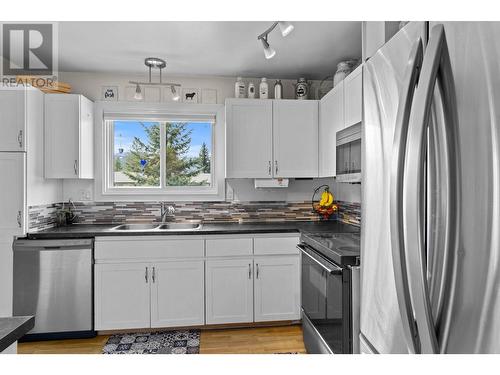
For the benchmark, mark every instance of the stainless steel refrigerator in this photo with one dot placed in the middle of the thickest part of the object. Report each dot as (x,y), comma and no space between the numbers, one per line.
(430,236)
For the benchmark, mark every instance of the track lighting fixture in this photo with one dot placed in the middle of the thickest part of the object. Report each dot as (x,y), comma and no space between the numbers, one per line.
(155,62)
(285,27)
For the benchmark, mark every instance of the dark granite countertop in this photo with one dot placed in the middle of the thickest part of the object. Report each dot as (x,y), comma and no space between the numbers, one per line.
(94,230)
(13,328)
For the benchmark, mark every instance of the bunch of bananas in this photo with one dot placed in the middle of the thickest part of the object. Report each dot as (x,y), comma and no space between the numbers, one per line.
(326,199)
(325,207)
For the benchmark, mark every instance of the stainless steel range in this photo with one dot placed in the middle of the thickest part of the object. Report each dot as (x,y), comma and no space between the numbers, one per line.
(330,292)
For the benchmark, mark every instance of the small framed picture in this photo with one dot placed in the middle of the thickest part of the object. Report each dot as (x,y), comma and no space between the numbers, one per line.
(209,96)
(190,95)
(109,93)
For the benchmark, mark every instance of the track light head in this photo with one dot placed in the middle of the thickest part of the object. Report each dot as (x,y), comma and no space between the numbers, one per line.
(138,92)
(175,94)
(269,51)
(285,27)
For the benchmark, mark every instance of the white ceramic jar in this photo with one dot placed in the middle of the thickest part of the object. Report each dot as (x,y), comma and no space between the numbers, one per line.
(251,90)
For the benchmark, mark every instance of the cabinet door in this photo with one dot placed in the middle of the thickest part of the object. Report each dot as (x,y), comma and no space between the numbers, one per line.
(12,119)
(122,296)
(13,193)
(229,291)
(295,137)
(277,288)
(177,294)
(353,97)
(331,120)
(86,139)
(249,135)
(62,118)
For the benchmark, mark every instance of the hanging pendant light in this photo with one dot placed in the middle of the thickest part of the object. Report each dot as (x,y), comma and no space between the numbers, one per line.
(156,63)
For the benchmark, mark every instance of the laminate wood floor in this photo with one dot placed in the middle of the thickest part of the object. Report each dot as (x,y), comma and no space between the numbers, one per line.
(262,340)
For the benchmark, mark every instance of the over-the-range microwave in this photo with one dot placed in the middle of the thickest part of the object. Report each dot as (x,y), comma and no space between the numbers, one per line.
(349,154)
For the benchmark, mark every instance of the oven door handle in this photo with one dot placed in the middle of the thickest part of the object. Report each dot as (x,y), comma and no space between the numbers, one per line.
(336,269)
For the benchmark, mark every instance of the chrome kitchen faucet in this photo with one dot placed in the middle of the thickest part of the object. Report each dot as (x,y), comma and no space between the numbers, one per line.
(166,211)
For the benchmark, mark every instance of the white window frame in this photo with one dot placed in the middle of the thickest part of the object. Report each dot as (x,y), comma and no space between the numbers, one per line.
(104,190)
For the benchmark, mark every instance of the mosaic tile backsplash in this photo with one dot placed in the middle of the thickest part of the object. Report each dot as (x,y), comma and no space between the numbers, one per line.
(43,217)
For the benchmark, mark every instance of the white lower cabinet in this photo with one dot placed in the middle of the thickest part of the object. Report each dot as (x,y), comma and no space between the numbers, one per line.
(122,296)
(229,291)
(277,288)
(177,295)
(196,281)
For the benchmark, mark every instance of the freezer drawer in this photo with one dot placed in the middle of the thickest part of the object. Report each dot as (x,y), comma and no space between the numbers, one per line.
(53,281)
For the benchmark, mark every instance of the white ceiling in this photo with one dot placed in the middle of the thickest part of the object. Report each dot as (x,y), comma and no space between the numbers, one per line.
(207,48)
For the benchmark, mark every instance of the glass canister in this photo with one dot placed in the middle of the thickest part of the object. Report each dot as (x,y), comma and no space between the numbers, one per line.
(301,89)
(343,70)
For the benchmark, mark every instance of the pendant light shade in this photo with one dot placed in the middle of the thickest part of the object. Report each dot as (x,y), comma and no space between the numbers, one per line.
(175,94)
(285,27)
(138,92)
(269,51)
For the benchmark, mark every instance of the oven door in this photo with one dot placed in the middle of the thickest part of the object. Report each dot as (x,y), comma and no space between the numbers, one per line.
(325,304)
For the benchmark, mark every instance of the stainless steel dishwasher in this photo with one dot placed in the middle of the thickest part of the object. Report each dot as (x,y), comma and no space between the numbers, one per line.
(53,281)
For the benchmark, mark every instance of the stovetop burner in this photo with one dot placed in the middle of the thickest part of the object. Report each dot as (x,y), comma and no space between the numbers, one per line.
(341,248)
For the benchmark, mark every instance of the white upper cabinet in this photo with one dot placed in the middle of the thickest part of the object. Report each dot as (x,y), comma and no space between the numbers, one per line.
(13,198)
(277,289)
(177,294)
(331,120)
(69,136)
(271,138)
(353,97)
(249,132)
(17,106)
(295,135)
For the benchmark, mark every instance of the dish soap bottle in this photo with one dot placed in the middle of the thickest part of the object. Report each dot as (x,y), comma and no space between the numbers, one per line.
(263,89)
(239,88)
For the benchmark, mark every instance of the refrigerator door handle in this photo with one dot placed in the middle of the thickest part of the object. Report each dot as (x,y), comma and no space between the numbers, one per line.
(436,68)
(396,196)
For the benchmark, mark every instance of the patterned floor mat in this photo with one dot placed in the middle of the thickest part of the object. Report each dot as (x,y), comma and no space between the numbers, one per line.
(164,342)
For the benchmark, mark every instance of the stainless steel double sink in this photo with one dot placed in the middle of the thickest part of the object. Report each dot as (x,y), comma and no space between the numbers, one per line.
(165,227)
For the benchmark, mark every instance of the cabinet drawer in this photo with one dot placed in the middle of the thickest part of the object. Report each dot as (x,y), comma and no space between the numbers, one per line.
(283,245)
(229,247)
(141,247)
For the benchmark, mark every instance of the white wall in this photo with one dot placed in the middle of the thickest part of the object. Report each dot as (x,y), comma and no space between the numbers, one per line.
(90,85)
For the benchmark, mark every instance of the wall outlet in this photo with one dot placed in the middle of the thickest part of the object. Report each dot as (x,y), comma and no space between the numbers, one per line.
(84,195)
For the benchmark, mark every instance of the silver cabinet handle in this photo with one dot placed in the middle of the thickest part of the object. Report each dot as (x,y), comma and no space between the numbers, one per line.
(249,270)
(276,167)
(257,271)
(75,167)
(146,275)
(436,71)
(153,275)
(19,217)
(396,193)
(20,138)
(269,168)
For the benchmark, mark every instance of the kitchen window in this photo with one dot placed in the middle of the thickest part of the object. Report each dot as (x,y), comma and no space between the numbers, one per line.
(163,156)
